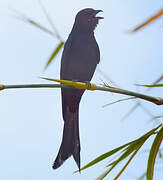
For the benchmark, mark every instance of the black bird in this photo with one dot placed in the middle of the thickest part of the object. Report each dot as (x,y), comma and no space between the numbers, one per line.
(79,60)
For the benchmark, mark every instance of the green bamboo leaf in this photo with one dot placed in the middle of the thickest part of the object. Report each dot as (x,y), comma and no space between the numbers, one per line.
(127,163)
(133,149)
(106,155)
(130,149)
(135,146)
(154,85)
(153,152)
(55,52)
(123,156)
(102,157)
(141,139)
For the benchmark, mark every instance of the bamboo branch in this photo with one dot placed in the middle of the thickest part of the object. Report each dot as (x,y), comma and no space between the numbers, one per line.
(81,85)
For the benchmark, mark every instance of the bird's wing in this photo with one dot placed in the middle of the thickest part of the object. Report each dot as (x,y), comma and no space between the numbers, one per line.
(97,50)
(66,57)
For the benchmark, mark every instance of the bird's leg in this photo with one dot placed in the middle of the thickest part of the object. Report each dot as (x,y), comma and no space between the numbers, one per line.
(88,84)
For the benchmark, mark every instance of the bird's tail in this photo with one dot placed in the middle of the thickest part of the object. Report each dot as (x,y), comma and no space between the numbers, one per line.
(70,140)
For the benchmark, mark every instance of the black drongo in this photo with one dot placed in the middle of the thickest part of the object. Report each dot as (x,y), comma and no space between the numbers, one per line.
(79,60)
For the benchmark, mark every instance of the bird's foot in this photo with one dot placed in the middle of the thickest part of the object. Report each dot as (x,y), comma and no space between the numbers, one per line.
(88,84)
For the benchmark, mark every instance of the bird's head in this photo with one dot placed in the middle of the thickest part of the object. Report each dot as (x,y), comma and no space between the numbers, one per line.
(87,19)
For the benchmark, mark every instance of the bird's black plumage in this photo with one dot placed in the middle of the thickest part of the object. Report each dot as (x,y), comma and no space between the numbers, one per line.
(79,60)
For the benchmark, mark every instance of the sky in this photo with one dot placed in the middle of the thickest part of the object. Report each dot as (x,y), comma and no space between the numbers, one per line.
(31,120)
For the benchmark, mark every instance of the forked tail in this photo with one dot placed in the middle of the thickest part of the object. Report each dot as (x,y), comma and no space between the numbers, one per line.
(70,140)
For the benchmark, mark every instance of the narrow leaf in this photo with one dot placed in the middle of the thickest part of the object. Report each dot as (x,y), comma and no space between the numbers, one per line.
(37,25)
(156,82)
(55,52)
(153,85)
(50,21)
(130,149)
(127,163)
(103,156)
(134,146)
(123,156)
(26,19)
(106,155)
(148,89)
(153,152)
(149,21)
(120,100)
(74,84)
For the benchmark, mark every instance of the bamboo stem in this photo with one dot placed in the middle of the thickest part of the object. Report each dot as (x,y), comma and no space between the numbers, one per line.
(155,100)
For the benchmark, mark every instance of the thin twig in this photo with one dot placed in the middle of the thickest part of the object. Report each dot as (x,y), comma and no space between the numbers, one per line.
(50,21)
(120,100)
(21,16)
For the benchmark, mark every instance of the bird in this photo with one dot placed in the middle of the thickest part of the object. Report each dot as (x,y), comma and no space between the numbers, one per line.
(79,59)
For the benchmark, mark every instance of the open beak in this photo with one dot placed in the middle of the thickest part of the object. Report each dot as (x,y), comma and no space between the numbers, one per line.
(96,12)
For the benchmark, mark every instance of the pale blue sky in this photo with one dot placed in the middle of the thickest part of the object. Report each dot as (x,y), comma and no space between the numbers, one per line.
(31,122)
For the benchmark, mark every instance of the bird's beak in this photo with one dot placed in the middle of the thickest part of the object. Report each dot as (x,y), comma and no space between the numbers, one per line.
(96,12)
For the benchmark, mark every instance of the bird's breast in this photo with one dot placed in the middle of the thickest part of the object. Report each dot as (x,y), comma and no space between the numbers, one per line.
(83,57)
(79,59)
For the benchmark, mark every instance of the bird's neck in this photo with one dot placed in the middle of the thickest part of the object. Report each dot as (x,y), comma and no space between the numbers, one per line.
(82,30)
(83,33)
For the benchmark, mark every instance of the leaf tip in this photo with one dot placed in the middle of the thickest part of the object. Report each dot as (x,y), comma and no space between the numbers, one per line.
(1,87)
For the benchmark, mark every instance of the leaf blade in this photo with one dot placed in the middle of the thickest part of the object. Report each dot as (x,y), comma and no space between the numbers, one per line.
(135,146)
(21,16)
(53,55)
(109,153)
(153,152)
(102,157)
(148,21)
(153,85)
(127,163)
